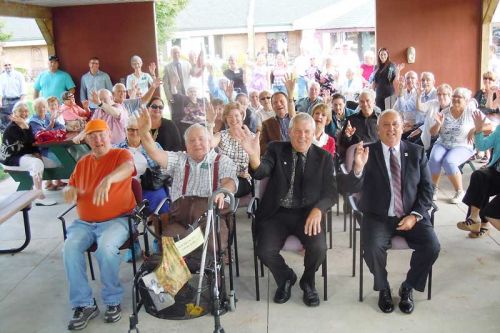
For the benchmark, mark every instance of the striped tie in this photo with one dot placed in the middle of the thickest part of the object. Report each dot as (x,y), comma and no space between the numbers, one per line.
(396,184)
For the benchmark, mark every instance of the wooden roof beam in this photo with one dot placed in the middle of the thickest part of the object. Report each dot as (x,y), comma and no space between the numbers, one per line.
(23,10)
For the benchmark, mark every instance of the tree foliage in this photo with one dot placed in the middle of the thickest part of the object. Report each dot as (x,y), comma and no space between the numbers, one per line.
(166,10)
(4,36)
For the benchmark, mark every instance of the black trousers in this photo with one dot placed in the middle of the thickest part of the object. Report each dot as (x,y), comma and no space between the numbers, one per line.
(271,236)
(484,183)
(376,240)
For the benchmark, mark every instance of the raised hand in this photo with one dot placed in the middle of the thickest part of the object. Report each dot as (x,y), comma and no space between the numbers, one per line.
(349,130)
(70,194)
(479,120)
(157,82)
(85,104)
(327,97)
(94,97)
(360,157)
(21,122)
(229,89)
(400,67)
(439,118)
(152,69)
(211,114)
(290,80)
(248,141)
(143,121)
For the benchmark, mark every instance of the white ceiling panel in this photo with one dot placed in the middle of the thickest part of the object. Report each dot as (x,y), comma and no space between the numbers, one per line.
(64,3)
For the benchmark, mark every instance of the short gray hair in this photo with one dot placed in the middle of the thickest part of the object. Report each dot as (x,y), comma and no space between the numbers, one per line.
(136,58)
(40,101)
(302,116)
(368,92)
(18,106)
(463,92)
(193,127)
(429,74)
(389,111)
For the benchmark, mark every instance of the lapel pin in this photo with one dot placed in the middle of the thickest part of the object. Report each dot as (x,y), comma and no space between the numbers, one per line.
(406,154)
(284,163)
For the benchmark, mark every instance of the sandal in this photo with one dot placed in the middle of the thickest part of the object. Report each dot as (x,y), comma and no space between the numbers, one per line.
(482,233)
(469,225)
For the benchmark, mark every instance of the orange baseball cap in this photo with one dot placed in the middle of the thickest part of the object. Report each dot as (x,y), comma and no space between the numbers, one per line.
(96,125)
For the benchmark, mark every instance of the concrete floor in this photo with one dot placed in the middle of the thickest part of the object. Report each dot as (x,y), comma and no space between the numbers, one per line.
(466,292)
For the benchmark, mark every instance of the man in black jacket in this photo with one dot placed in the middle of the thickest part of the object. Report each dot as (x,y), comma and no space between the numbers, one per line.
(300,189)
(394,181)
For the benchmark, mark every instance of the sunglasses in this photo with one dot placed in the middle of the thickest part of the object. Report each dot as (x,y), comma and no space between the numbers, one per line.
(264,98)
(488,78)
(154,107)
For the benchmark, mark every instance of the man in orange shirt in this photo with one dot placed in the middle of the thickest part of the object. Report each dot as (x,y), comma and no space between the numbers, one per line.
(101,186)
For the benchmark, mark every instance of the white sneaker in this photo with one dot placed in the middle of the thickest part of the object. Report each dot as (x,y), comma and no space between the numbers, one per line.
(434,193)
(457,198)
(45,202)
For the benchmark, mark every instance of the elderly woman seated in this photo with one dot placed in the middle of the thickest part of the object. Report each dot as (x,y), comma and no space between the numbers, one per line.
(74,116)
(145,167)
(227,144)
(17,149)
(455,127)
(43,120)
(322,115)
(484,183)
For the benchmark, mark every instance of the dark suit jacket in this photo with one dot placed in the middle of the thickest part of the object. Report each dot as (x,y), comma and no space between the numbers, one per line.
(374,184)
(270,132)
(319,185)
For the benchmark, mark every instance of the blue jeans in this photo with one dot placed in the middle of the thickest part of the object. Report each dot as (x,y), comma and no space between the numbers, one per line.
(109,235)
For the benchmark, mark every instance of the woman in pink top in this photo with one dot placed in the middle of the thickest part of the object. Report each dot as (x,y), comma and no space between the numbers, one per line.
(367,66)
(278,74)
(322,115)
(74,116)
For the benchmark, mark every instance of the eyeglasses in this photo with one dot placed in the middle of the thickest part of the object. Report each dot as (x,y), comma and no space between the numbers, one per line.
(69,97)
(457,96)
(155,106)
(7,65)
(132,129)
(264,98)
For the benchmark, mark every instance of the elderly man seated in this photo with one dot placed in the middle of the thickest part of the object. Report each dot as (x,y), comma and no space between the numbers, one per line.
(361,126)
(196,174)
(301,188)
(306,104)
(101,187)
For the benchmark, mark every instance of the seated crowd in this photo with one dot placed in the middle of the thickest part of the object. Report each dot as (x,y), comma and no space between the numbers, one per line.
(242,135)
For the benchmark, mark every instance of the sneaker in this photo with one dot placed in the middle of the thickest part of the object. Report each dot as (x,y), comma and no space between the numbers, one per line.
(127,257)
(457,198)
(81,317)
(45,202)
(113,313)
(434,193)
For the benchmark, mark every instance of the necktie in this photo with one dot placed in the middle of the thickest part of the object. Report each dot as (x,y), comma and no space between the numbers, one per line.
(181,81)
(297,181)
(396,184)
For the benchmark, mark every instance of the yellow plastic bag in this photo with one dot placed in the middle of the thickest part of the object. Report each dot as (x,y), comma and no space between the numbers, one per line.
(172,273)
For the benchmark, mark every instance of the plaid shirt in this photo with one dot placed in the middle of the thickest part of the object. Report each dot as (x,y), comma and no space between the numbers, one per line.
(200,173)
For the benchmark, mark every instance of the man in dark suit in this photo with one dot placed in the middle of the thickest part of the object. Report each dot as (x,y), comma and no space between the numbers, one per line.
(396,194)
(301,188)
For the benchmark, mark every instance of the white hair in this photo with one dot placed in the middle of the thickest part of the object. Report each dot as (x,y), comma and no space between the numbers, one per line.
(302,116)
(192,128)
(368,92)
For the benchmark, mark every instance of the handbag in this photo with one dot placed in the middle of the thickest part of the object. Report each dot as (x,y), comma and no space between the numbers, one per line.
(172,273)
(153,179)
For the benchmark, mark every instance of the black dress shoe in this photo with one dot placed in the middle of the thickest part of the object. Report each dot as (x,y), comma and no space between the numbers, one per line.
(406,304)
(284,291)
(311,297)
(385,301)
